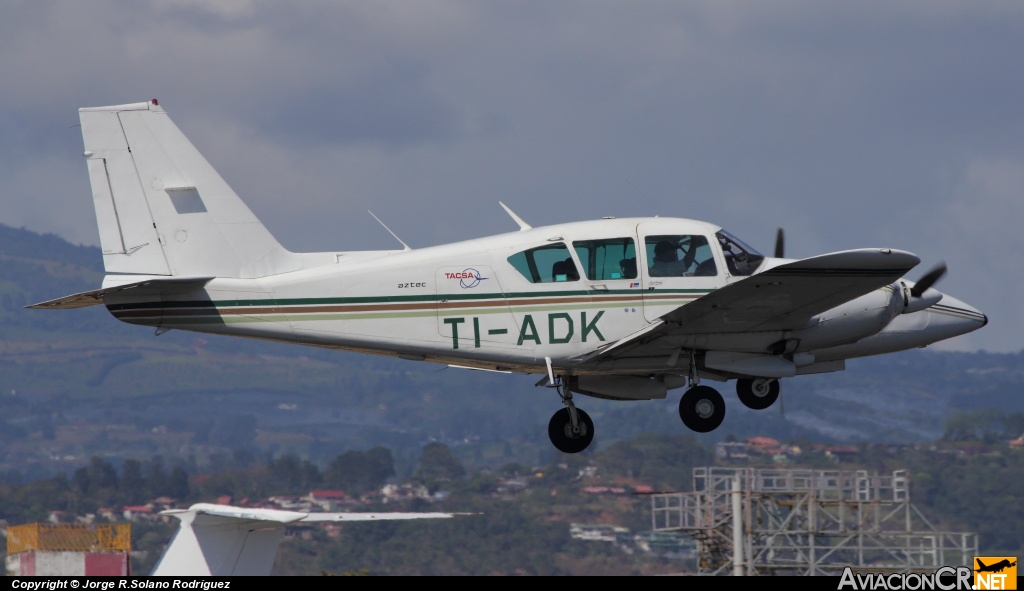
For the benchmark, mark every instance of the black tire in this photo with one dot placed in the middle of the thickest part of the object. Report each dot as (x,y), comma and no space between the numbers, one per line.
(702,409)
(562,437)
(758,394)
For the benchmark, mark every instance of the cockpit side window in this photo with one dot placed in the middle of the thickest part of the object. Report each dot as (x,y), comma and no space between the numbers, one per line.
(679,256)
(550,263)
(613,258)
(741,258)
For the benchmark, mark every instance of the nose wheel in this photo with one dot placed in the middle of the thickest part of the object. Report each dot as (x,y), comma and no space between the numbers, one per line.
(702,409)
(569,429)
(757,394)
(567,438)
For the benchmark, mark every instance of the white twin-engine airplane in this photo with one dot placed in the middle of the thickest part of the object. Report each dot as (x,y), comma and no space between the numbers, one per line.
(624,309)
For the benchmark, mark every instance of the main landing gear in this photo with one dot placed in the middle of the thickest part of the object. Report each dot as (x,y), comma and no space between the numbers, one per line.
(758,393)
(570,429)
(702,409)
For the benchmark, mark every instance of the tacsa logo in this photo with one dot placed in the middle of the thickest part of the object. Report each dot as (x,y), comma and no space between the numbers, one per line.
(468,278)
(995,572)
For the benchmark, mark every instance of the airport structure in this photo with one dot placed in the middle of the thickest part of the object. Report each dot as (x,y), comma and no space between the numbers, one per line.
(771,521)
(68,549)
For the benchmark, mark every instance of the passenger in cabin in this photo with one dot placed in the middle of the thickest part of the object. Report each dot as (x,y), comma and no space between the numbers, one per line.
(564,271)
(628,267)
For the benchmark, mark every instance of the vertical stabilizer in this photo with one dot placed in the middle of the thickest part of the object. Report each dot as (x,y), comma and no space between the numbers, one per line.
(162,209)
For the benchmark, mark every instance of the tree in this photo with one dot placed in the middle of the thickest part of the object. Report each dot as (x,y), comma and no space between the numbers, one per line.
(177,484)
(133,484)
(291,474)
(358,471)
(438,463)
(98,476)
(156,478)
(973,426)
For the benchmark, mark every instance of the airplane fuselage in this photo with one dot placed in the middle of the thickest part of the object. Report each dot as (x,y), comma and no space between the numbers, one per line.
(466,304)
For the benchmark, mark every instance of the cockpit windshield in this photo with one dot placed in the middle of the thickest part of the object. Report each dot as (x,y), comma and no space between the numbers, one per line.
(741,259)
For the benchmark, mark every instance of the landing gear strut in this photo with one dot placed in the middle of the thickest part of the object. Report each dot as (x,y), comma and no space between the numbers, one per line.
(570,429)
(759,393)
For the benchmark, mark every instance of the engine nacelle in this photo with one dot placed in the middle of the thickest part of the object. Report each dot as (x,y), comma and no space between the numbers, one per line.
(625,387)
(854,320)
(912,303)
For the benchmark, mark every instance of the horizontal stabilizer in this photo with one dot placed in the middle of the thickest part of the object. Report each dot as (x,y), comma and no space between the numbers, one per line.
(223,540)
(95,297)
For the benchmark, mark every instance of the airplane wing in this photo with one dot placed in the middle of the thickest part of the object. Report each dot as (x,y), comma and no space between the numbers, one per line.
(789,295)
(95,297)
(223,540)
(782,298)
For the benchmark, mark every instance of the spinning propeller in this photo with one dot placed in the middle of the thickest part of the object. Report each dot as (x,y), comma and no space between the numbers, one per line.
(916,298)
(921,295)
(928,280)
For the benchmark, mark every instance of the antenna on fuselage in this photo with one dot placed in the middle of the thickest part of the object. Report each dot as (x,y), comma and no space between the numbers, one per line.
(390,232)
(523,226)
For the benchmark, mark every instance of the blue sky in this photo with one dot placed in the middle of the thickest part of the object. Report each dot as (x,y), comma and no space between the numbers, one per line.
(854,124)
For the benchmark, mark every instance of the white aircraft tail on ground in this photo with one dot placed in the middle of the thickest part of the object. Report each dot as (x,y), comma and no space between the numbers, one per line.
(624,309)
(223,540)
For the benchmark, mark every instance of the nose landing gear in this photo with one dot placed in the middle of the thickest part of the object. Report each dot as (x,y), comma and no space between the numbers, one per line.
(570,429)
(568,438)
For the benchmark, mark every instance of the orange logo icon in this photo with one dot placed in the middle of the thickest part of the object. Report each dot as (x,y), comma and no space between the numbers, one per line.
(995,572)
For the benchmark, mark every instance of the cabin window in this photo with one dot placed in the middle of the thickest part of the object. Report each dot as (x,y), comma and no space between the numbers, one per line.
(741,259)
(680,256)
(550,263)
(607,259)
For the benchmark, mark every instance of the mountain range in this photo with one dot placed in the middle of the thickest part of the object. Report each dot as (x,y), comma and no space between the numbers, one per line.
(77,383)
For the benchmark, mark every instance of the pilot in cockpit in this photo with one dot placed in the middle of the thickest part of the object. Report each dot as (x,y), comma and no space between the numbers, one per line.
(666,260)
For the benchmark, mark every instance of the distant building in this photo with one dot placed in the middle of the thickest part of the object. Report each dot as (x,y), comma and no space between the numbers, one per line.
(68,549)
(732,450)
(763,442)
(327,500)
(604,490)
(597,532)
(137,512)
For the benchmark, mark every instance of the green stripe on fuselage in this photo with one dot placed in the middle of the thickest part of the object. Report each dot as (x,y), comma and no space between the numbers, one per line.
(426,298)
